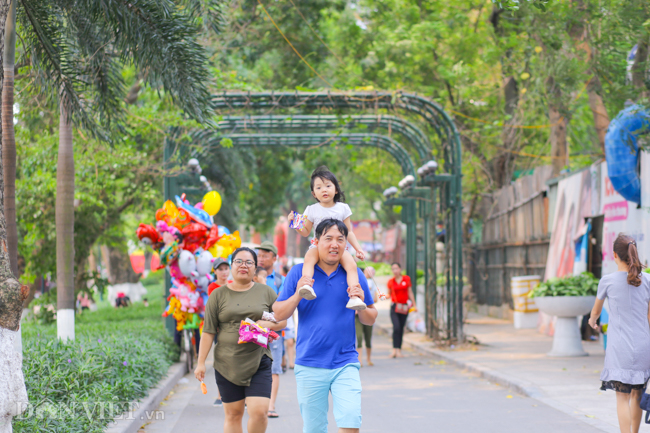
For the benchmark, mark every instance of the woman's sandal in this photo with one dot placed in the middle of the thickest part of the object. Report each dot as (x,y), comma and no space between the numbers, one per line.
(273,414)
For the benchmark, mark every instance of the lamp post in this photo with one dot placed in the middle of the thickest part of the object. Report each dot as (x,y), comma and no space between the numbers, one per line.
(175,186)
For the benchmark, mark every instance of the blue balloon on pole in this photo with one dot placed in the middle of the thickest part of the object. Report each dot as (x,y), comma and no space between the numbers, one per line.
(223,231)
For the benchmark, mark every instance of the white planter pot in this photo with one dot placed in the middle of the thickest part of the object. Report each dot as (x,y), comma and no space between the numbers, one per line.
(567,340)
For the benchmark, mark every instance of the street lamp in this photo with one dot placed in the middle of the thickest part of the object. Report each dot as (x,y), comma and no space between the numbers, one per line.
(390,192)
(194,166)
(428,168)
(406,182)
(206,184)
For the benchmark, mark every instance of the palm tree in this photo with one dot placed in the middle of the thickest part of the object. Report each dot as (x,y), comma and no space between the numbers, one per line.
(10,290)
(77,49)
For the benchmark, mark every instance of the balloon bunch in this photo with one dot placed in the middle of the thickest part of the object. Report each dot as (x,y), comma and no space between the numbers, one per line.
(188,243)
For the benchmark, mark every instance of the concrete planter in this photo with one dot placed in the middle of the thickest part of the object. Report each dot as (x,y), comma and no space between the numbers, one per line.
(567,340)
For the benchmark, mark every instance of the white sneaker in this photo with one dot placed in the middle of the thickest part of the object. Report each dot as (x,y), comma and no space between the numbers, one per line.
(307,292)
(355,303)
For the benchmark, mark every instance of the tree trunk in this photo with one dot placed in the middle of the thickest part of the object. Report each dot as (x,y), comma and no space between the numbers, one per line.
(11,293)
(559,151)
(120,267)
(9,138)
(65,228)
(639,68)
(597,105)
(12,296)
(502,164)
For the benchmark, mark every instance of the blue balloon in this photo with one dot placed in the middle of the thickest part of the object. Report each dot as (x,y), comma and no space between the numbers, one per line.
(223,231)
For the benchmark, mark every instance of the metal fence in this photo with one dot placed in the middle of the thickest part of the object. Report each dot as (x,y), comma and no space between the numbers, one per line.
(515,239)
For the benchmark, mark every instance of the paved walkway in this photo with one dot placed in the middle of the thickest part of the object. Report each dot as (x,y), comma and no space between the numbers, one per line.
(517,359)
(416,394)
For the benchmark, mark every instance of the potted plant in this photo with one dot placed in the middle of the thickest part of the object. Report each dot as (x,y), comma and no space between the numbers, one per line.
(566,298)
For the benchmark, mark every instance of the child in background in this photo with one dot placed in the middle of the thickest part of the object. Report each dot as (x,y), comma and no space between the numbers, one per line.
(327,192)
(260,275)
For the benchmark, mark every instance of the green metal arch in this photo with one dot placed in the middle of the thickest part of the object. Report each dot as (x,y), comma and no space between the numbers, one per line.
(430,111)
(411,132)
(210,140)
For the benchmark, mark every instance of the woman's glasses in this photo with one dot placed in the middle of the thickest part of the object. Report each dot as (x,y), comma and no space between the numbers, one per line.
(240,262)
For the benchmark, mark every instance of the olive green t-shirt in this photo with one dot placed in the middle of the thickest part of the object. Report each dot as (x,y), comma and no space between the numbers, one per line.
(224,312)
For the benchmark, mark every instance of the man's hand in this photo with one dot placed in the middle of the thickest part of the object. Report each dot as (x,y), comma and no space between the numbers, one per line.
(361,255)
(356,291)
(199,372)
(305,281)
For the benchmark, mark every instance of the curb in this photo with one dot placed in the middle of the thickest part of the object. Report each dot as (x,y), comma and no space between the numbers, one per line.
(522,387)
(136,419)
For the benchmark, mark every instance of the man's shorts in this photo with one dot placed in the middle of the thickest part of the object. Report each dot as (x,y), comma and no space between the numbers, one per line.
(276,350)
(314,385)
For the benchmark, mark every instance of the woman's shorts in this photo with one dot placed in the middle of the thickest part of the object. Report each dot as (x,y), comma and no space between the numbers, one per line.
(260,384)
(621,387)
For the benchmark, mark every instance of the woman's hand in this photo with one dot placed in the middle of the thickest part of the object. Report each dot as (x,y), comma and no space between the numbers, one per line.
(291,216)
(199,371)
(592,322)
(265,323)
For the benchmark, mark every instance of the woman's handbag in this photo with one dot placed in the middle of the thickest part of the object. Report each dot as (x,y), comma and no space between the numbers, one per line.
(645,405)
(402,308)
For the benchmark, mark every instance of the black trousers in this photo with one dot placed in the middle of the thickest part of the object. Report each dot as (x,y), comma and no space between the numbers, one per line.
(399,322)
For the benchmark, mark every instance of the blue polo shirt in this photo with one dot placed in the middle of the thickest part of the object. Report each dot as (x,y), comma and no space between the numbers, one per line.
(326,335)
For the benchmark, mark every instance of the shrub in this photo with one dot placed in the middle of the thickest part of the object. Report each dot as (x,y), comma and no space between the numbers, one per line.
(584,284)
(117,356)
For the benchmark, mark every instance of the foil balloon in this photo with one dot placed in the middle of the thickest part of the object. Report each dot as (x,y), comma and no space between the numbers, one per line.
(213,237)
(198,215)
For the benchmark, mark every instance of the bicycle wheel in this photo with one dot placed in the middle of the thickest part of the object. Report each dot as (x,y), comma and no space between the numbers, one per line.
(188,349)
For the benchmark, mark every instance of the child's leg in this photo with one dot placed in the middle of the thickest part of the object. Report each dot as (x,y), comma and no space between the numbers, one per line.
(350,266)
(311,258)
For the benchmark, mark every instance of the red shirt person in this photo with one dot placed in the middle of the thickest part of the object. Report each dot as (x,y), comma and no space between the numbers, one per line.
(400,291)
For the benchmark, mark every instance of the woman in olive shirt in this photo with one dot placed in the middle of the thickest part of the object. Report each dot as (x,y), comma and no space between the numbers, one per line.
(243,371)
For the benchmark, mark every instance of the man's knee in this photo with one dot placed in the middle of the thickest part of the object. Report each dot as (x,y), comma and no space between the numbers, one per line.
(346,395)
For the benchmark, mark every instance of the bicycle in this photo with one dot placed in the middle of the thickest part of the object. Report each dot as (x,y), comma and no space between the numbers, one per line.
(188,348)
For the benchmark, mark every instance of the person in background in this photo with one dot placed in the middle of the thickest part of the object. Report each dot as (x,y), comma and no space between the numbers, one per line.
(260,275)
(84,301)
(268,254)
(285,270)
(221,270)
(145,302)
(364,332)
(289,344)
(627,358)
(400,291)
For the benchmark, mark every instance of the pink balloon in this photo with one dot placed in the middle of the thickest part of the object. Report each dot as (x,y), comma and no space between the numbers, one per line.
(199,205)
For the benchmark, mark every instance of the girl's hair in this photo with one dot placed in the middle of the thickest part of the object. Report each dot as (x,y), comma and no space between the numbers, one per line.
(324,173)
(396,263)
(625,249)
(247,250)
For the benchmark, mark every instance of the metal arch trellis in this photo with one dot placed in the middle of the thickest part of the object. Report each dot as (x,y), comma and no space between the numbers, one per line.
(313,140)
(413,135)
(446,188)
(444,319)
